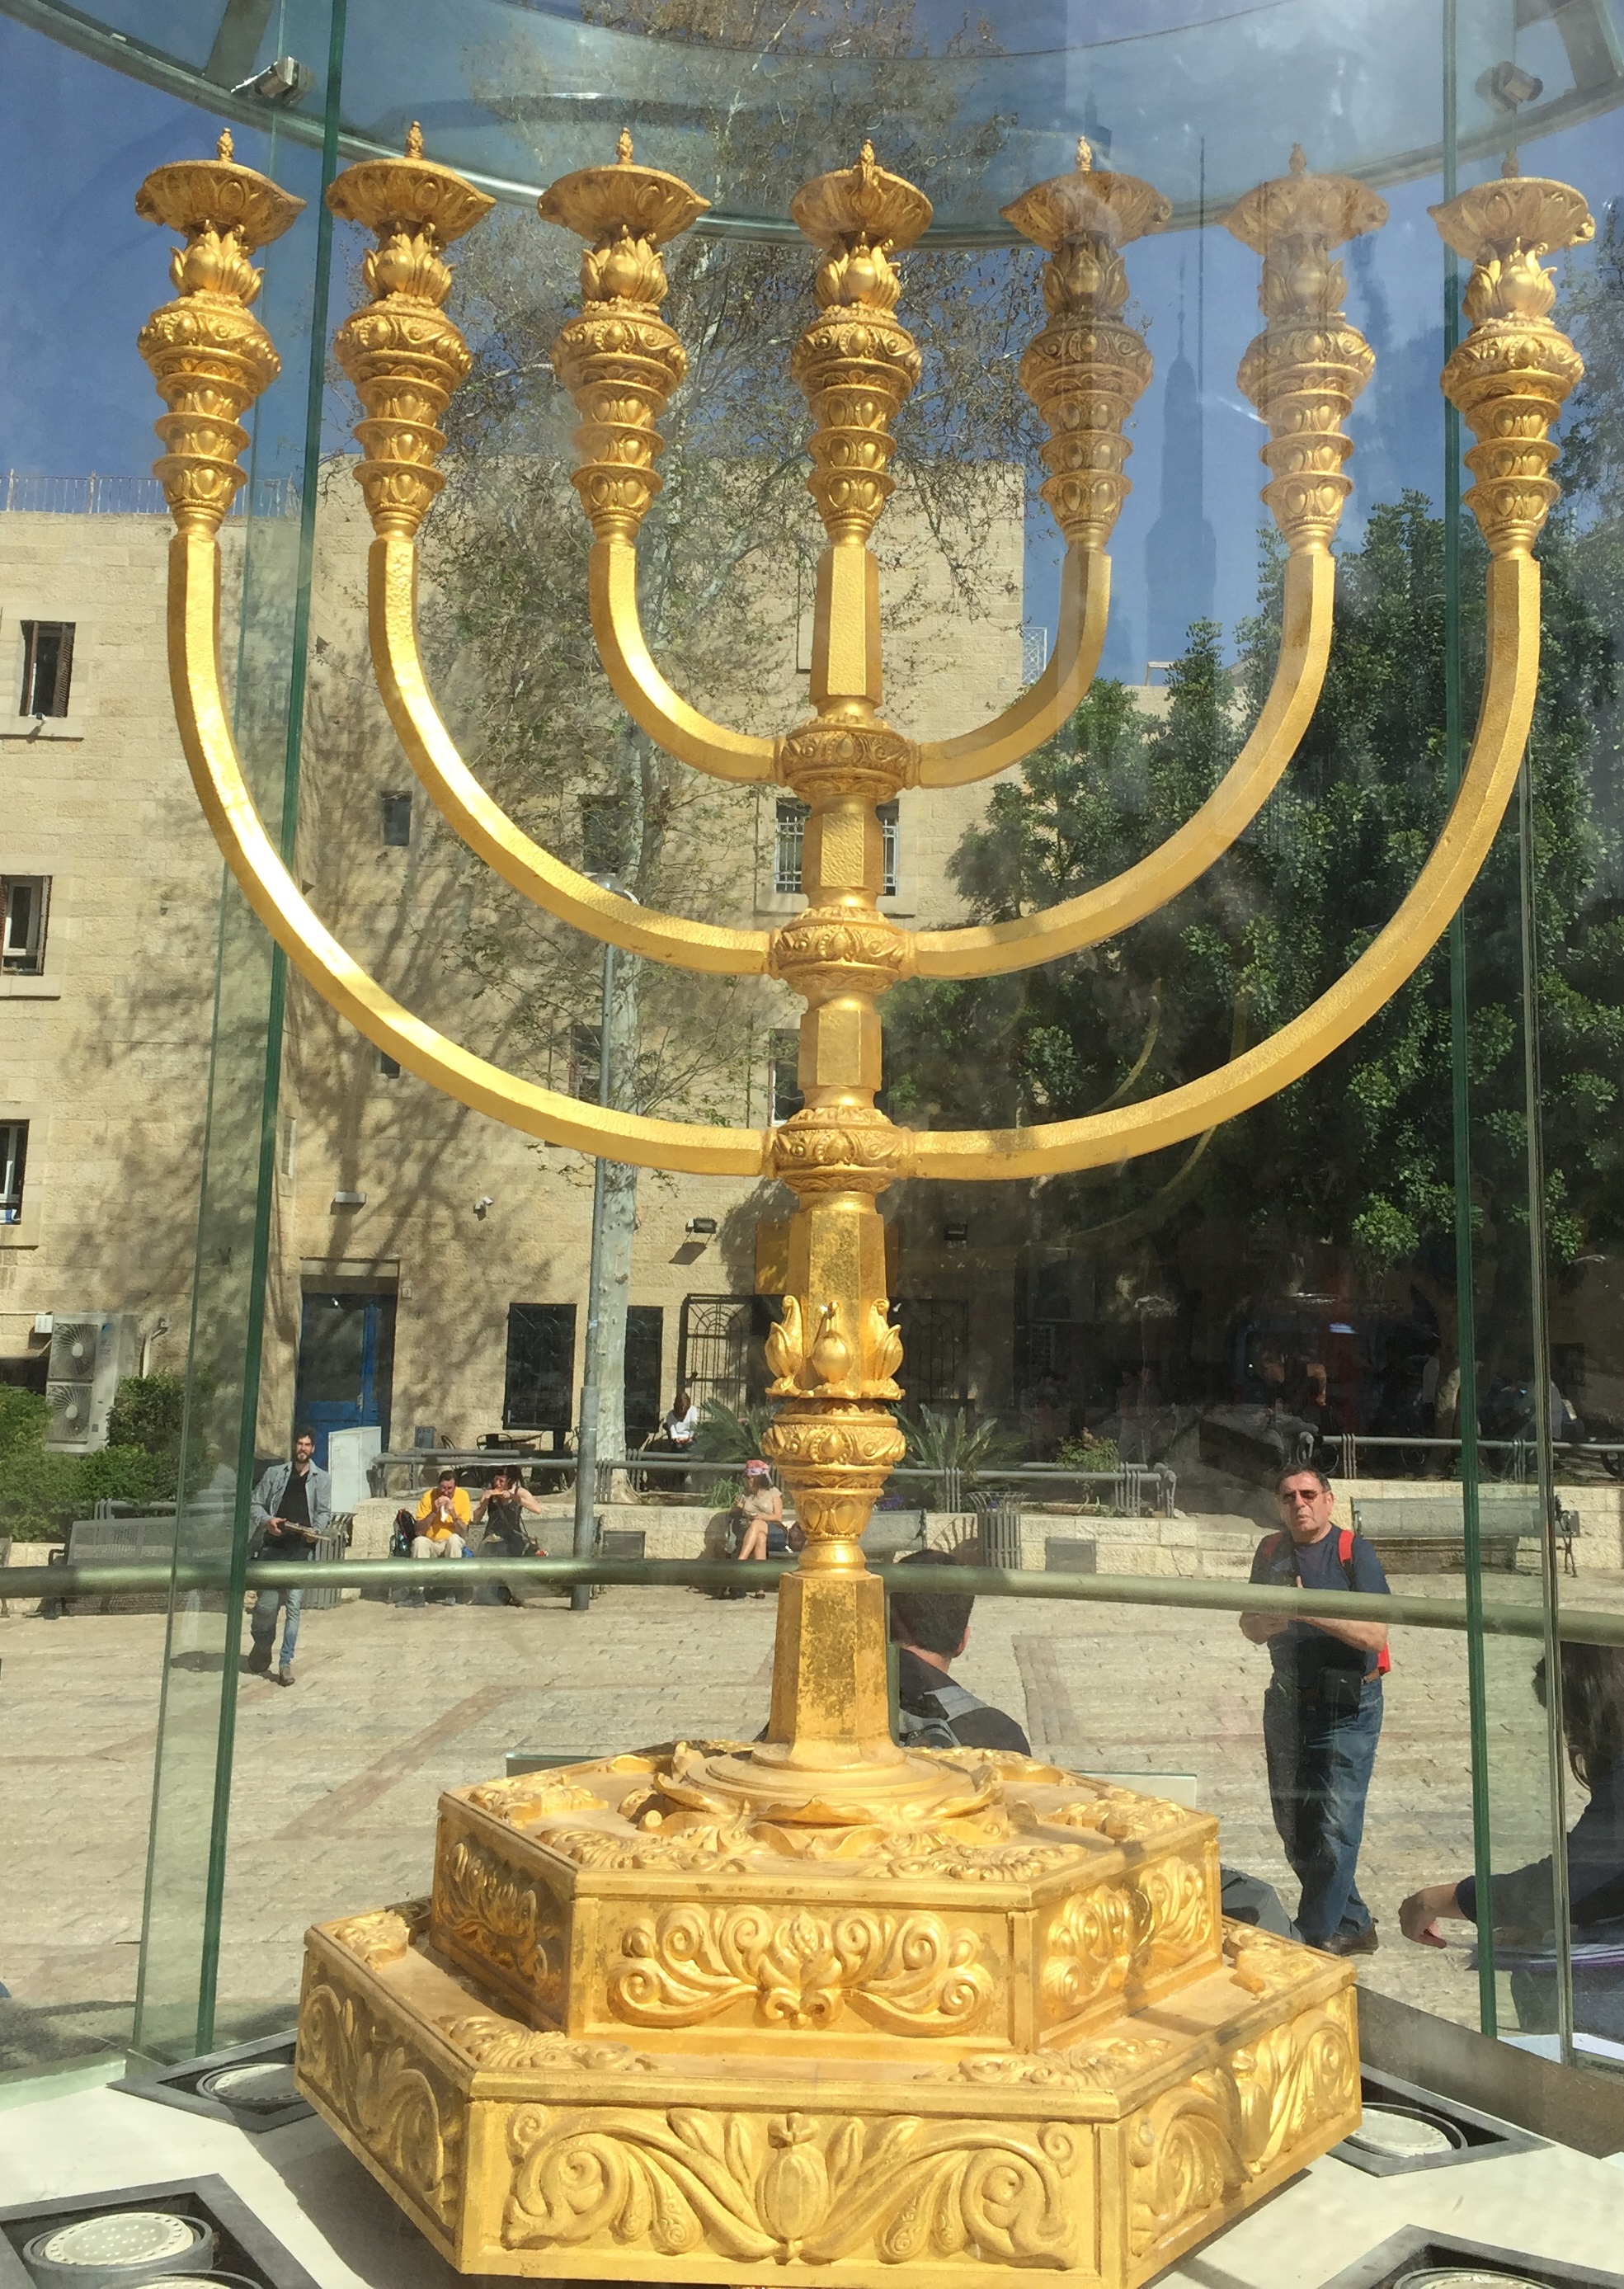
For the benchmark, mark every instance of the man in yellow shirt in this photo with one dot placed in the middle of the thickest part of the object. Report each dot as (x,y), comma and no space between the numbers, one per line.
(443,1517)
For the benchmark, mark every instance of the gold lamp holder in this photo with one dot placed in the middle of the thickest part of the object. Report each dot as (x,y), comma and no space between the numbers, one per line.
(817,2002)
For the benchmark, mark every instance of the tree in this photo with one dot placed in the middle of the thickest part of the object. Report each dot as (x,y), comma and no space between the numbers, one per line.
(1359,1153)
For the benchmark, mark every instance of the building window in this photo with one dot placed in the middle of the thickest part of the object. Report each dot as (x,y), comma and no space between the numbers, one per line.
(790,845)
(537,1389)
(388,1067)
(24,899)
(47,667)
(783,1085)
(396,821)
(936,1333)
(13,1159)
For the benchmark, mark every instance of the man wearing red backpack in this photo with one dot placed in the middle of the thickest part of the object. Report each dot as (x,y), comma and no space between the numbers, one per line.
(1322,1713)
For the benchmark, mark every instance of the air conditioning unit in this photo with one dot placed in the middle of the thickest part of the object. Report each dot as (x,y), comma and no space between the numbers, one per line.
(91,1354)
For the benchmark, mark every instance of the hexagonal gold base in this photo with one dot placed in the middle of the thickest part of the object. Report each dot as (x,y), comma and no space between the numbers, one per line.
(643,2031)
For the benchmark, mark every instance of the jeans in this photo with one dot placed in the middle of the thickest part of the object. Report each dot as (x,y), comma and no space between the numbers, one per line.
(263,1623)
(1320,1768)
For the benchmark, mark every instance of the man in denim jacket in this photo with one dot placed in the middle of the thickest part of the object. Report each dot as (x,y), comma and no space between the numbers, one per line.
(292,1509)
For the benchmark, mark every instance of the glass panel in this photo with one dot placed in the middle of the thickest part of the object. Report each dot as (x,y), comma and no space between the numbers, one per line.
(265,639)
(1371,1273)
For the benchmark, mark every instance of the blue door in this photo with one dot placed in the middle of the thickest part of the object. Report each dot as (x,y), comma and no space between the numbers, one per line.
(346,1365)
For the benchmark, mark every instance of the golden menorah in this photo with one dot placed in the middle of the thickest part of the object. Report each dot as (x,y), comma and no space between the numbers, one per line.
(895,2008)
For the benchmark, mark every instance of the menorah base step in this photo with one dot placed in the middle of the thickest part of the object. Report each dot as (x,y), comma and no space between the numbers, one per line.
(627,2041)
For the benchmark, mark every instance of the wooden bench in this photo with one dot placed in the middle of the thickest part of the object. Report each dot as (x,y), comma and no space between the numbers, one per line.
(1426,1534)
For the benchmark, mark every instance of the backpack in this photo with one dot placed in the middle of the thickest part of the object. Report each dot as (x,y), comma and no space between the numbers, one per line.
(915,1730)
(1271,1550)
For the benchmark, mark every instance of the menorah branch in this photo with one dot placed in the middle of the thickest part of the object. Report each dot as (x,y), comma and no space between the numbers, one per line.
(1506,711)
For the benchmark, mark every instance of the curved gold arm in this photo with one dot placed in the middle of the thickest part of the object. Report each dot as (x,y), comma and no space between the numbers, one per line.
(1513,633)
(992,949)
(211,753)
(1085,607)
(643,691)
(392,578)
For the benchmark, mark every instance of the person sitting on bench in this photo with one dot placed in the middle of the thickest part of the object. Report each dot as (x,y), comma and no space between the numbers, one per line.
(443,1516)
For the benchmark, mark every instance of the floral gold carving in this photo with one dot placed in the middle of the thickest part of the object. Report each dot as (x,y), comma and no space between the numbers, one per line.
(489,1913)
(503,2043)
(386,2094)
(828,758)
(402,354)
(532,1796)
(709,1846)
(1086,370)
(384,1935)
(618,359)
(1308,365)
(1194,2146)
(913,1974)
(855,363)
(796,2187)
(837,1149)
(1101,2066)
(1103,1940)
(1511,375)
(210,355)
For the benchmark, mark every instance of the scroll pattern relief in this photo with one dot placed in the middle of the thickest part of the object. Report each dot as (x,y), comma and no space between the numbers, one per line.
(798,2187)
(488,1914)
(377,2085)
(1199,2145)
(1102,1940)
(914,1974)
(384,1935)
(490,2040)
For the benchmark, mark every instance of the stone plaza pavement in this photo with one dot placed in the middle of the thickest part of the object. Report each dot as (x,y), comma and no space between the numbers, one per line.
(336,1781)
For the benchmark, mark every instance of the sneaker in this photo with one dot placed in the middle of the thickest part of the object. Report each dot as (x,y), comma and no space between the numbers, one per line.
(284,1677)
(1350,1943)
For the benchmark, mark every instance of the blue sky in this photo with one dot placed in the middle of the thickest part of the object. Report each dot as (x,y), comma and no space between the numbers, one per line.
(79,272)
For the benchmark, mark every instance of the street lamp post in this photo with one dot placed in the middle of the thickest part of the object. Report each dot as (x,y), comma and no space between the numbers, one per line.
(586,1434)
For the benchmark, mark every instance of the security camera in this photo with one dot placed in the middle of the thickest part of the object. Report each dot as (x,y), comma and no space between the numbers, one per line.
(483,1202)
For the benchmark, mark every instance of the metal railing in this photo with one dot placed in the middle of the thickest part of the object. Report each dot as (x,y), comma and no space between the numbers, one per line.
(1520,1467)
(961,1491)
(1499,1619)
(95,495)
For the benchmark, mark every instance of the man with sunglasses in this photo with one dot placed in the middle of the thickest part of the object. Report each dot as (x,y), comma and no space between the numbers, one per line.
(1322,1713)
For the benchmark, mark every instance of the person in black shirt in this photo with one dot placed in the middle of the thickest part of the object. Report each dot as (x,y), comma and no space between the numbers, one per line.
(292,1509)
(1522,1904)
(930,1628)
(1322,1713)
(502,1513)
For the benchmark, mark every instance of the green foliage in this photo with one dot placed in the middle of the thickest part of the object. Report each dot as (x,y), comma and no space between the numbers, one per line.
(25,1417)
(40,1493)
(1360,1153)
(728,1434)
(942,1438)
(125,1474)
(1088,1454)
(149,1413)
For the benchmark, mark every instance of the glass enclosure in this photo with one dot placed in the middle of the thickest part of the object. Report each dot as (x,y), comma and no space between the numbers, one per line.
(227,1216)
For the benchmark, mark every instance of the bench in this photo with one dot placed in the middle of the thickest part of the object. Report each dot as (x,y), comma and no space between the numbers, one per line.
(1426,1534)
(150,1541)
